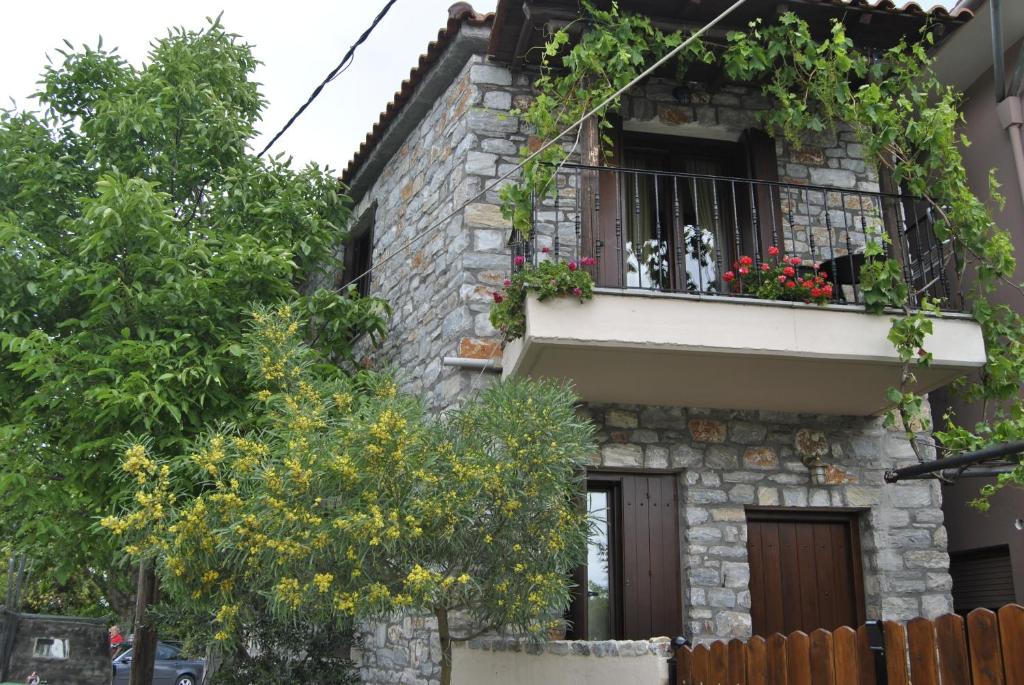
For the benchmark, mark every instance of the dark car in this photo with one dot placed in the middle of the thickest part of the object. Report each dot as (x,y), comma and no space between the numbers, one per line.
(171,667)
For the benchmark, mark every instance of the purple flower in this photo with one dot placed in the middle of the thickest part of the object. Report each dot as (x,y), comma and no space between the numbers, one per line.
(577,292)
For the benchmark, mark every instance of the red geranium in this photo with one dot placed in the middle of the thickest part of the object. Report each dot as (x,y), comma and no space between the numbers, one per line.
(789,271)
(519,260)
(498,297)
(728,276)
(765,266)
(746,261)
(773,250)
(572,266)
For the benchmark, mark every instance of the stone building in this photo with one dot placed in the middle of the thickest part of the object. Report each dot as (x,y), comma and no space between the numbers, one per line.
(739,484)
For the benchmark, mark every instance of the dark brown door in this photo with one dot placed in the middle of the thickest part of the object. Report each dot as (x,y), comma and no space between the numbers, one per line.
(805,571)
(650,558)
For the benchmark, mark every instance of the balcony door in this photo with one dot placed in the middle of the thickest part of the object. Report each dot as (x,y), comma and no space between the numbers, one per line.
(675,213)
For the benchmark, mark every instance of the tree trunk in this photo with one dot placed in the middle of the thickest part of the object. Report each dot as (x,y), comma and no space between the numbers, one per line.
(446,645)
(144,640)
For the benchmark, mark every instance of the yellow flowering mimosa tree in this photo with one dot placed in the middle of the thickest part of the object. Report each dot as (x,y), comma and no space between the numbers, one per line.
(351,504)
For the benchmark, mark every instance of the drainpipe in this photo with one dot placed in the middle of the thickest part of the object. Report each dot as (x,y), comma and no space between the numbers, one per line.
(998,60)
(1011,116)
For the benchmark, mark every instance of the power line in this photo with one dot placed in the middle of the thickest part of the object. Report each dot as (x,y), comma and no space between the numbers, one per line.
(644,74)
(344,64)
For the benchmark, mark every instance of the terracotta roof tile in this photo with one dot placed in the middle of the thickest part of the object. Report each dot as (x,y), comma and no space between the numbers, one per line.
(458,14)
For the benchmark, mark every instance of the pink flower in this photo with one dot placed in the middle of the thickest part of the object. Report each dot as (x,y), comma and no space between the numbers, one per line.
(746,261)
(795,261)
(588,261)
(498,297)
(773,250)
(545,249)
(765,267)
(577,292)
(789,271)
(553,282)
(572,266)
(507,283)
(728,276)
(744,271)
(519,260)
(782,279)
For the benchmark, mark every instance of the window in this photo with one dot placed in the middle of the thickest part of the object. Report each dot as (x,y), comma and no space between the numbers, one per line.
(982,578)
(629,588)
(358,253)
(166,652)
(51,648)
(682,209)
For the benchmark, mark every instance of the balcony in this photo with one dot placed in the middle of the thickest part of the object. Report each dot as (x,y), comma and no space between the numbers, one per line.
(672,323)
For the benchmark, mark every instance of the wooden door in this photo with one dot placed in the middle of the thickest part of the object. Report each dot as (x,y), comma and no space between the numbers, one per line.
(650,557)
(805,571)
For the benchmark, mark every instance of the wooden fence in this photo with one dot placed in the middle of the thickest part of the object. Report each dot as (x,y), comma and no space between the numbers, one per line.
(923,652)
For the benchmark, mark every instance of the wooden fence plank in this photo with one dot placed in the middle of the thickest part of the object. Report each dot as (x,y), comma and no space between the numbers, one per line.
(777,660)
(719,663)
(896,653)
(757,661)
(952,644)
(846,657)
(822,658)
(701,666)
(983,644)
(798,658)
(924,665)
(737,663)
(865,657)
(1011,635)
(684,666)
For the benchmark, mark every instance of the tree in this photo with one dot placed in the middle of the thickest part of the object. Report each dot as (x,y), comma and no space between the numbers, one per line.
(136,230)
(348,504)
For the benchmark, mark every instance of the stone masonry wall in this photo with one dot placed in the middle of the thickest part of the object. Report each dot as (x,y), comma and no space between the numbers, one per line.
(440,289)
(728,460)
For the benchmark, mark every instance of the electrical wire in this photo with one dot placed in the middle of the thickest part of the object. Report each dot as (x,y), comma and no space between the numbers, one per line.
(493,184)
(343,65)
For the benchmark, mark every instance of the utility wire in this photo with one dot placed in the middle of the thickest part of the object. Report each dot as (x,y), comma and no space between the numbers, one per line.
(493,184)
(342,66)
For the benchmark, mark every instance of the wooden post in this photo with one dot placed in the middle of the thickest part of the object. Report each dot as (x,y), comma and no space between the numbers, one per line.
(144,639)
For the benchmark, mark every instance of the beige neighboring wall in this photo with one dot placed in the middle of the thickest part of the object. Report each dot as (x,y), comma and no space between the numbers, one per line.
(478,667)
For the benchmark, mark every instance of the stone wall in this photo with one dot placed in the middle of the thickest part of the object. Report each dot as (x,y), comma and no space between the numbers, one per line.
(88,659)
(729,460)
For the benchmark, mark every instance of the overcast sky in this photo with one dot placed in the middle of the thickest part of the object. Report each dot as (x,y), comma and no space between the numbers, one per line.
(299,42)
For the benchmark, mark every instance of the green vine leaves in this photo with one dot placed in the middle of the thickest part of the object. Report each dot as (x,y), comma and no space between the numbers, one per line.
(906,121)
(613,50)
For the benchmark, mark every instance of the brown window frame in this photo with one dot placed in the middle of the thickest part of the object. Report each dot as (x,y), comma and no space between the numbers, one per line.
(614,483)
(358,253)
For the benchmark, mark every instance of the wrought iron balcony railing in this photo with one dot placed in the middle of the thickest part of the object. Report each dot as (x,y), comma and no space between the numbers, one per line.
(689,233)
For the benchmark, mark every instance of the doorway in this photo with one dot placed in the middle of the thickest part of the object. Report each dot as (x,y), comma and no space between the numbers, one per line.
(805,570)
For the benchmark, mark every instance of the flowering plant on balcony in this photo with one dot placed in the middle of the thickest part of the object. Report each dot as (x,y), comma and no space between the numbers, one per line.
(779,278)
(547,279)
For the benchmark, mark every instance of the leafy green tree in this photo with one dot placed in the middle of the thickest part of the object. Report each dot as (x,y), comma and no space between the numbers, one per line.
(136,231)
(348,504)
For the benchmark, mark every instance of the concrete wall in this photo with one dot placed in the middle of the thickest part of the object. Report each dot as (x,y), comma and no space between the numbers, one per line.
(971,529)
(508,662)
(990,149)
